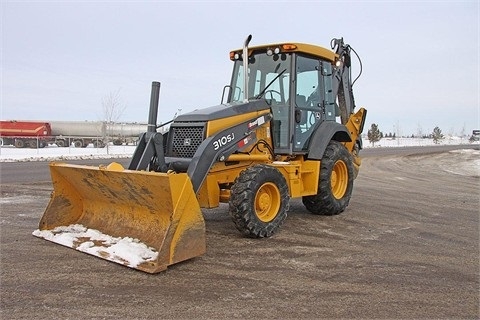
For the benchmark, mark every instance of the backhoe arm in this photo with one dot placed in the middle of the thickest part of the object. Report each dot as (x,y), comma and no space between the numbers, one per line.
(342,82)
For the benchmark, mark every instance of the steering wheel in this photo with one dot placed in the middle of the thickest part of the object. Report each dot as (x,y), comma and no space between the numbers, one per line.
(274,92)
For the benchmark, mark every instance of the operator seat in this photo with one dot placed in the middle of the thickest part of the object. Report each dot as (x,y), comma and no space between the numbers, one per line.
(301,135)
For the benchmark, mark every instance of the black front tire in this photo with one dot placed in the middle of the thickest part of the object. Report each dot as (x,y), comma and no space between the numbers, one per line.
(259,201)
(335,182)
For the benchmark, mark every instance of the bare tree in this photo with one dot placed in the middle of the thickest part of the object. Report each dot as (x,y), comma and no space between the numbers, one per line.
(113,106)
(419,131)
(463,132)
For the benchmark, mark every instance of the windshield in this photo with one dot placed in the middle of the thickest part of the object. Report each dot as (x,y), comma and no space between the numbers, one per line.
(268,78)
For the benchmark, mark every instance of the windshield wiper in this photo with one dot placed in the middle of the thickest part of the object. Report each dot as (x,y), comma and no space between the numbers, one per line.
(269,84)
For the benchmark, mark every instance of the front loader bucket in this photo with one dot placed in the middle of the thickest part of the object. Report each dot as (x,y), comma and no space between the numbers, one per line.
(143,220)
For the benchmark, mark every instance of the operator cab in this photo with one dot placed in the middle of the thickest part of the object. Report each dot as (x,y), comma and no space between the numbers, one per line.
(296,81)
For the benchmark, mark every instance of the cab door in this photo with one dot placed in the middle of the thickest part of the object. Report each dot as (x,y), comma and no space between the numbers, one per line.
(314,101)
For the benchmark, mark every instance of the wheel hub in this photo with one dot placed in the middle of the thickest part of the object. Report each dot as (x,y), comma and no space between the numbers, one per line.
(339,179)
(267,202)
(264,201)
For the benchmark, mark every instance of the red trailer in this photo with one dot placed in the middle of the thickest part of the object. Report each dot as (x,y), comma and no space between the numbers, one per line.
(25,133)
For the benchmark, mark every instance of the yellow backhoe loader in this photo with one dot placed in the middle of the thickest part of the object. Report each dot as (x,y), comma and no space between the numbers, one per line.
(286,128)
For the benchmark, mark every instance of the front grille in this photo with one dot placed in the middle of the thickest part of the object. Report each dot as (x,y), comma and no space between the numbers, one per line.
(185,141)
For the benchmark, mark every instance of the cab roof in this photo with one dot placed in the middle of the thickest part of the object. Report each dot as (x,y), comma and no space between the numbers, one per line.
(298,47)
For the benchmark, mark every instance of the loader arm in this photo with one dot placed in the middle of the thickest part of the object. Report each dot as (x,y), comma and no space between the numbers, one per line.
(211,151)
(150,156)
(149,153)
(217,147)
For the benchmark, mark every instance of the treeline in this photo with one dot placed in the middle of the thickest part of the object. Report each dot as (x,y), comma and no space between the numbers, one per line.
(374,135)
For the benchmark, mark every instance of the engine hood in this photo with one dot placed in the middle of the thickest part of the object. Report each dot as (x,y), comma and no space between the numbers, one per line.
(222,111)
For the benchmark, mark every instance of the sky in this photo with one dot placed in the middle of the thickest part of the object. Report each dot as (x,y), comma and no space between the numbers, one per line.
(60,59)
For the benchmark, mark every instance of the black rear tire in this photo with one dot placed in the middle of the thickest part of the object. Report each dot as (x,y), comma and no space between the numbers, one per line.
(259,201)
(19,143)
(32,144)
(98,144)
(335,182)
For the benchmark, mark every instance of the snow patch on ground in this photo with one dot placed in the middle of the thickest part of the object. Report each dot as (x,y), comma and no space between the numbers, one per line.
(54,153)
(415,142)
(127,251)
(472,152)
(469,164)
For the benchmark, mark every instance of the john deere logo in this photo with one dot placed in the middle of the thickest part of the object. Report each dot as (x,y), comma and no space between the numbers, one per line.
(187,142)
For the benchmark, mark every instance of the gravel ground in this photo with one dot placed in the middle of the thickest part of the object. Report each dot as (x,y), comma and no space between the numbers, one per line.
(406,247)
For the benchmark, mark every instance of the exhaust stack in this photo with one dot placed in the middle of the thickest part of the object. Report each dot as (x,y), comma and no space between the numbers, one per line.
(245,68)
(153,112)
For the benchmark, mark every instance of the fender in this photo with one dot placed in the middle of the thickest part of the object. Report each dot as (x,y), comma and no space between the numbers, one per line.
(325,132)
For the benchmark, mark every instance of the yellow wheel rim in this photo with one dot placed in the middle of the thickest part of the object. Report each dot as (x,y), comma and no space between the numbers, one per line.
(339,179)
(267,202)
